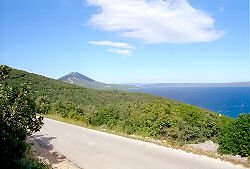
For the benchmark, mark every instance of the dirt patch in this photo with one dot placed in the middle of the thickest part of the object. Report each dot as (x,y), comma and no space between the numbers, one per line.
(44,151)
(237,158)
(212,149)
(207,146)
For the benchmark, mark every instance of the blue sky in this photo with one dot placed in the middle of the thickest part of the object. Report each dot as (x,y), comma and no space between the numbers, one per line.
(119,41)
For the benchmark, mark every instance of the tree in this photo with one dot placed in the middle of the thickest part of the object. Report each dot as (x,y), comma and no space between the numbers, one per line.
(18,119)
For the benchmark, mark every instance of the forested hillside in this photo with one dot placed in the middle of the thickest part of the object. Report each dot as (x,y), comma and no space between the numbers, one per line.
(58,91)
(132,113)
(136,113)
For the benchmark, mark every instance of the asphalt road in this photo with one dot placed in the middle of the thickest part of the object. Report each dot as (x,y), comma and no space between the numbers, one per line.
(90,149)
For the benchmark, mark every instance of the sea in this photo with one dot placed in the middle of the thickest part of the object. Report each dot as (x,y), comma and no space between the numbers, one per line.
(228,101)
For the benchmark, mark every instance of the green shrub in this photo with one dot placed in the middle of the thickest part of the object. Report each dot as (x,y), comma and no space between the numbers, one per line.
(177,122)
(234,138)
(44,104)
(28,162)
(150,119)
(107,115)
(17,119)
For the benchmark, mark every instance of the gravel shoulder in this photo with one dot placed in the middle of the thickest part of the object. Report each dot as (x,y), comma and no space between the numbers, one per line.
(43,150)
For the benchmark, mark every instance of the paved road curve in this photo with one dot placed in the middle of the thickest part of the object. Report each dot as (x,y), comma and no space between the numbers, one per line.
(90,149)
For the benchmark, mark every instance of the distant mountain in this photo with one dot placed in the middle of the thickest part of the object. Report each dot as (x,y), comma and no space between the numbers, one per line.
(81,80)
(234,84)
(75,75)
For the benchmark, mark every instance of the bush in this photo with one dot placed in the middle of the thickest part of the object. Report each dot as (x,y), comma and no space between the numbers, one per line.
(44,104)
(29,161)
(151,119)
(176,122)
(234,138)
(107,115)
(17,119)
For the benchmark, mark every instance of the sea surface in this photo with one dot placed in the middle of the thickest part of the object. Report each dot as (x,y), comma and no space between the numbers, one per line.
(228,101)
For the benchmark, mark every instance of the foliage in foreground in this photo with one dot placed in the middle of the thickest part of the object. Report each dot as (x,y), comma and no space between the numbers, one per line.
(28,161)
(235,137)
(17,121)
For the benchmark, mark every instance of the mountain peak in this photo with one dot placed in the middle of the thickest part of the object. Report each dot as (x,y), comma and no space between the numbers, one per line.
(81,80)
(76,75)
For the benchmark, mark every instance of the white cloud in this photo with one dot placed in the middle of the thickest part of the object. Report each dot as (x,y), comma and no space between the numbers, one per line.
(155,21)
(110,43)
(120,51)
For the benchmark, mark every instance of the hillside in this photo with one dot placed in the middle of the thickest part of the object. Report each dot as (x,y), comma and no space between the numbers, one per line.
(57,90)
(81,80)
(131,113)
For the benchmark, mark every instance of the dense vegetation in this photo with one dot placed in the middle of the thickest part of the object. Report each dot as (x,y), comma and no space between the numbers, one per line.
(17,121)
(235,137)
(131,113)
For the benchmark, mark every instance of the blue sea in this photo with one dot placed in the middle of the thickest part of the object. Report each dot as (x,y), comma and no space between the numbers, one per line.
(228,101)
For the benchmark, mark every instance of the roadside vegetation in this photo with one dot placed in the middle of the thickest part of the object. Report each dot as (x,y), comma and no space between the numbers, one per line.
(234,137)
(137,114)
(17,121)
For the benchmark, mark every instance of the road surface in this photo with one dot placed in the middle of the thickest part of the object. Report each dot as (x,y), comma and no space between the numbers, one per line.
(90,149)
